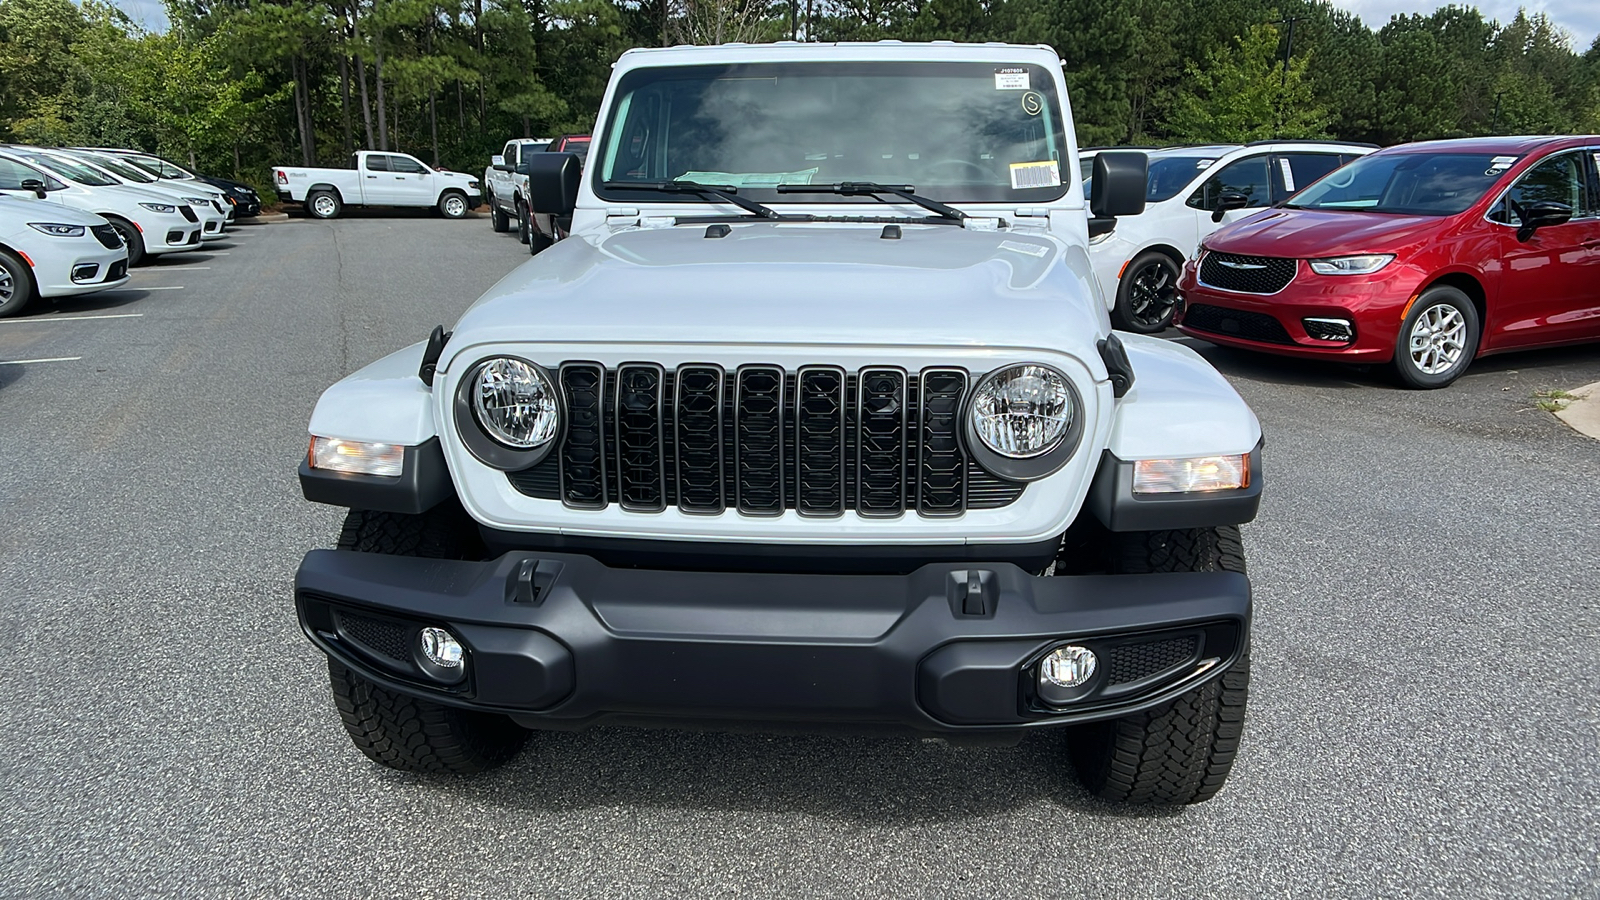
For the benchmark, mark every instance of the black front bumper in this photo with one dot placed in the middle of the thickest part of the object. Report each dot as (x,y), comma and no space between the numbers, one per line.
(561,641)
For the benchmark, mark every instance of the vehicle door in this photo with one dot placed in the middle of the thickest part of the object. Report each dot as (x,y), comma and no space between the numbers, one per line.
(1550,282)
(1292,171)
(413,181)
(13,174)
(1247,176)
(377,185)
(504,182)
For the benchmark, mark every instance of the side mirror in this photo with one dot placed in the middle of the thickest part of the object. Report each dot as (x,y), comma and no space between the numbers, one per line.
(1229,200)
(1117,188)
(35,185)
(552,182)
(498,163)
(1538,214)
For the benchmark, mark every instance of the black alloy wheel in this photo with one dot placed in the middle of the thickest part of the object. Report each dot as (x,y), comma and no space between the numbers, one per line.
(1147,296)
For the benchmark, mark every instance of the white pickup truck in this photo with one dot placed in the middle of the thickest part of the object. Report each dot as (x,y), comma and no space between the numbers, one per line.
(377,179)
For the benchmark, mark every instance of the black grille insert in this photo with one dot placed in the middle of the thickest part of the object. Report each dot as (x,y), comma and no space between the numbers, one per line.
(107,236)
(1247,274)
(1252,326)
(820,441)
(1133,662)
(382,636)
(187,213)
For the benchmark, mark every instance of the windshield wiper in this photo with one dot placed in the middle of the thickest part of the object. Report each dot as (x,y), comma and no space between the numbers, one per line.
(725,192)
(873,189)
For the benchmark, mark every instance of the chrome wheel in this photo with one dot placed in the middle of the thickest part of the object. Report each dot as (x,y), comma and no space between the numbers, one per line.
(1438,339)
(324,206)
(455,207)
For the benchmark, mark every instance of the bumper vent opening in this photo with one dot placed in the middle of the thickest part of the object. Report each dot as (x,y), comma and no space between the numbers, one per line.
(1251,326)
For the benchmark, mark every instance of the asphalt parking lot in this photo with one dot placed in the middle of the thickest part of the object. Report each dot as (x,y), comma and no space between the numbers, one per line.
(1423,718)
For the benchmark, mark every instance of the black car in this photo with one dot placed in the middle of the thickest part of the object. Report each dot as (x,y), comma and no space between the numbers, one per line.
(246,201)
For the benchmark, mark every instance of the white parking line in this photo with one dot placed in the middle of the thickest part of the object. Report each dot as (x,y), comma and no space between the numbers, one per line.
(153,287)
(172,269)
(18,362)
(71,318)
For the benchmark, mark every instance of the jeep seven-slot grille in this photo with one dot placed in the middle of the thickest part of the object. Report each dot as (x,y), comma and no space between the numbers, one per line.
(760,440)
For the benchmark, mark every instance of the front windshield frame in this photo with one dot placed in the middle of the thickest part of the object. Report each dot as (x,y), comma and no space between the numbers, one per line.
(68,170)
(1492,165)
(1041,91)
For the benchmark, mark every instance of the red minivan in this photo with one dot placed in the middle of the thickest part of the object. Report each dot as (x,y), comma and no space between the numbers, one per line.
(1423,256)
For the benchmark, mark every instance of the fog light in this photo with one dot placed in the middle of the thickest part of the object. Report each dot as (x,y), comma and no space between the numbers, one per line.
(1336,330)
(85,271)
(1068,667)
(441,648)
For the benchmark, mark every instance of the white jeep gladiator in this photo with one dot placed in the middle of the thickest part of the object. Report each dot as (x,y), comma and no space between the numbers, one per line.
(815,421)
(377,178)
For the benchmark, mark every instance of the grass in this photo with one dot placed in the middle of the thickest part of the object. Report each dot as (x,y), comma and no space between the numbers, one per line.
(1553,400)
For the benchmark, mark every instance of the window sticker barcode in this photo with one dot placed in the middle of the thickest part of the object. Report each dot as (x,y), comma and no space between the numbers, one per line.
(1035,175)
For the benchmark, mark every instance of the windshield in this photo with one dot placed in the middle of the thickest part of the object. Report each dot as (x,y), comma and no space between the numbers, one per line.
(120,168)
(1171,174)
(71,171)
(1412,184)
(962,132)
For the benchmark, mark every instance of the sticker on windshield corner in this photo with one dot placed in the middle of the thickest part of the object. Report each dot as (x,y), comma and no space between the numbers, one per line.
(1029,249)
(1500,164)
(1035,175)
(1012,78)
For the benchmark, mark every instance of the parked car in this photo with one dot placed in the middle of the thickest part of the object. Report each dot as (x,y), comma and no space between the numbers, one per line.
(242,198)
(377,179)
(772,439)
(213,213)
(541,229)
(49,250)
(505,190)
(1423,256)
(1086,157)
(150,223)
(1193,191)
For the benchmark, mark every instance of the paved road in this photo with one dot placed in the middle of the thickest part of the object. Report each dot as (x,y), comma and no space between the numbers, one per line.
(1424,719)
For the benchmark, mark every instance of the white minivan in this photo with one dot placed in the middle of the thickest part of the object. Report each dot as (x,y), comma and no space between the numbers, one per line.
(150,223)
(49,250)
(1191,192)
(212,212)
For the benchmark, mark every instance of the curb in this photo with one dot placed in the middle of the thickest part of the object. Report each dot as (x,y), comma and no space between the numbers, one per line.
(1583,413)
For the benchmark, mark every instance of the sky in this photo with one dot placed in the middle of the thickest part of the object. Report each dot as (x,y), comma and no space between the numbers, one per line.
(1581,18)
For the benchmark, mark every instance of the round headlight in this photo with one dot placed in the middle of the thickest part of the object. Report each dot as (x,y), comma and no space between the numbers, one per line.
(514,403)
(1022,411)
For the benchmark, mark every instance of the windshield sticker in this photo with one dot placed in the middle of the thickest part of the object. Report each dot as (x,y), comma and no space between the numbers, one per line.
(1013,78)
(1026,175)
(1201,164)
(751,179)
(1032,103)
(1288,174)
(1029,249)
(1500,164)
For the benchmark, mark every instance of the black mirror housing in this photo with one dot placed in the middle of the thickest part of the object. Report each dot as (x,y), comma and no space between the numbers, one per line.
(552,182)
(1542,214)
(35,185)
(1119,182)
(1228,200)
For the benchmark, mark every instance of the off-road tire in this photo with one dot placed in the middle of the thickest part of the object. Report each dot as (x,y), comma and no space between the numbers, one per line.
(16,284)
(130,237)
(413,735)
(524,225)
(538,241)
(398,730)
(498,220)
(324,205)
(1181,751)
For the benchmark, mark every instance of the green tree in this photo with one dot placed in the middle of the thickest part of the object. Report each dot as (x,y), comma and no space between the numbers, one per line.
(1246,95)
